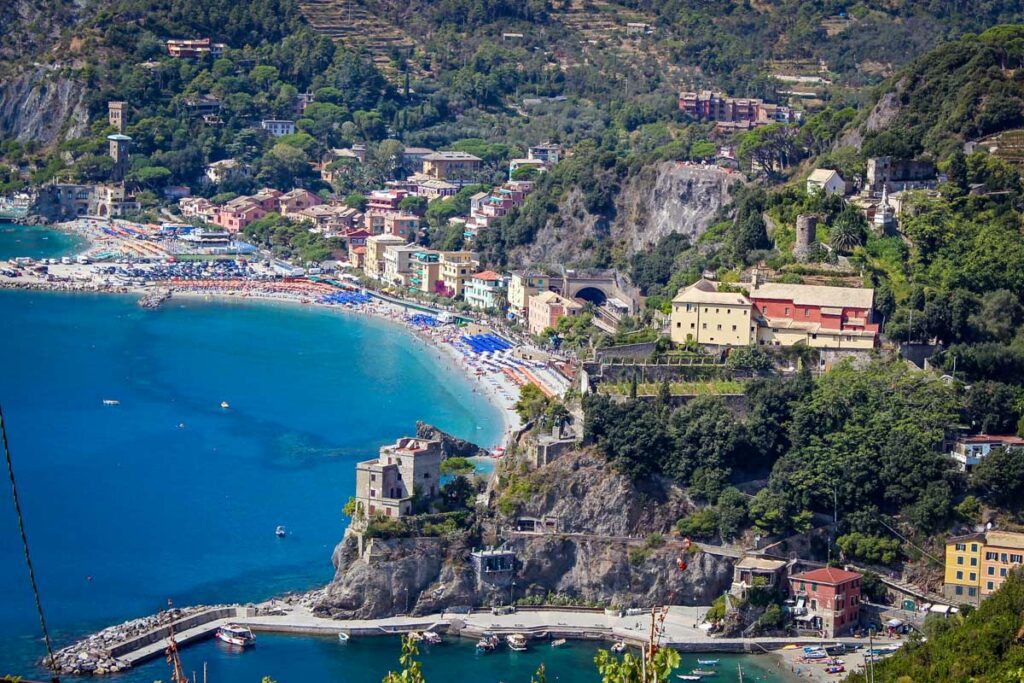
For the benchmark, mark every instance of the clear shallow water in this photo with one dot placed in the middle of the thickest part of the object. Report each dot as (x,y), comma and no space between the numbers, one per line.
(125,509)
(36,242)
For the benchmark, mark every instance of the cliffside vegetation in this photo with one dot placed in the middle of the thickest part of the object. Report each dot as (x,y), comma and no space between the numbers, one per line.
(977,645)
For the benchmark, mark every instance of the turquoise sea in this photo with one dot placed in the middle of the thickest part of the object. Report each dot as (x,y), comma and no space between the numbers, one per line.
(169,496)
(35,242)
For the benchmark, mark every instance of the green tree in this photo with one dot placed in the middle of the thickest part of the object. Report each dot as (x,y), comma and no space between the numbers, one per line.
(849,230)
(642,668)
(999,478)
(412,669)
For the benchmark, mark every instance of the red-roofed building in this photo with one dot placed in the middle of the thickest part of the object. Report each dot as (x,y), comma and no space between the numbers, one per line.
(486,290)
(970,450)
(827,600)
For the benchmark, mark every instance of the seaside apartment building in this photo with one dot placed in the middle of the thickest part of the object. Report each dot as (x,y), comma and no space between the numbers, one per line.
(374,256)
(774,314)
(978,564)
(521,286)
(485,290)
(547,308)
(456,268)
(398,264)
(385,485)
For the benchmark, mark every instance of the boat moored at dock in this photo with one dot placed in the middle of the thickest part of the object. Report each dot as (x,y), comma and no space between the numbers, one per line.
(236,635)
(516,642)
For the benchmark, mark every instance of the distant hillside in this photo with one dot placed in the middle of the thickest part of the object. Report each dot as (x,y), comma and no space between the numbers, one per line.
(964,90)
(985,647)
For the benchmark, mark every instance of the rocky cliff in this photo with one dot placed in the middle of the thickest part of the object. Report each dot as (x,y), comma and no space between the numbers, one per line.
(659,200)
(42,104)
(600,553)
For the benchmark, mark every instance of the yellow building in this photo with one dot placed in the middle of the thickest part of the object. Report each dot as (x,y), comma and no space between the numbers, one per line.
(963,568)
(1003,550)
(978,564)
(373,264)
(450,165)
(705,315)
(521,286)
(456,268)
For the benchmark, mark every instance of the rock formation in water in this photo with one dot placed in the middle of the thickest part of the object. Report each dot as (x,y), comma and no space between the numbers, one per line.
(598,555)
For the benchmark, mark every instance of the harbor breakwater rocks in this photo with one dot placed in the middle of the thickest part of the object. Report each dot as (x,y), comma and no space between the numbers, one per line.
(599,553)
(93,656)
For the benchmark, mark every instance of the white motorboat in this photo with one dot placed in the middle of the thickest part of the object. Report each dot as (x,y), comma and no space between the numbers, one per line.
(236,635)
(280,531)
(343,637)
(431,638)
(619,647)
(488,643)
(516,642)
(111,402)
(558,642)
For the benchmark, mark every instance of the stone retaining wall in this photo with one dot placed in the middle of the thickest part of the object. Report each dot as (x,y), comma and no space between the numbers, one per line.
(164,632)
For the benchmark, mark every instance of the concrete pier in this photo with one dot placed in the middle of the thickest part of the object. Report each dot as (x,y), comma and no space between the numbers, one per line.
(680,628)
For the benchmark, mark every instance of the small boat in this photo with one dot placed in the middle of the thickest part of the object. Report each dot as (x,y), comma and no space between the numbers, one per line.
(619,647)
(488,643)
(708,662)
(704,672)
(280,531)
(837,669)
(687,677)
(225,405)
(415,636)
(343,637)
(431,638)
(111,402)
(558,642)
(516,642)
(236,635)
(817,654)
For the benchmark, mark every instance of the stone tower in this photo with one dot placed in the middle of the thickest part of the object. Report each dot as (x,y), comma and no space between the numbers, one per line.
(119,153)
(806,225)
(116,115)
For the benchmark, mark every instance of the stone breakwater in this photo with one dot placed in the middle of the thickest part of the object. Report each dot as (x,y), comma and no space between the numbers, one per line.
(109,651)
(93,655)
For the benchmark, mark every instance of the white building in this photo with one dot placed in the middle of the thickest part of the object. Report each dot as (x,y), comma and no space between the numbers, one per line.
(826,180)
(278,127)
(969,451)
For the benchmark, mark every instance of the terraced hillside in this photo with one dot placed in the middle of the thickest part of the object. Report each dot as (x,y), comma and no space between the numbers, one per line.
(351,24)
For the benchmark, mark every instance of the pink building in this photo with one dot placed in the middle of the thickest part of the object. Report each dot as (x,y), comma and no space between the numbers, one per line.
(296,201)
(385,200)
(829,311)
(827,600)
(237,214)
(401,224)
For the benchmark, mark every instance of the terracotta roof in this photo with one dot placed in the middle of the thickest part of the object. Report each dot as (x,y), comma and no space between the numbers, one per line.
(829,575)
(488,275)
(1009,439)
(815,295)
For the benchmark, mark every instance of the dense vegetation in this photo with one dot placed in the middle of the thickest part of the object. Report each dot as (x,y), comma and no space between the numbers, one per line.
(983,645)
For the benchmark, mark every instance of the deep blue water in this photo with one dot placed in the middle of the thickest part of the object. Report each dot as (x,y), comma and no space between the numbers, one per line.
(126,509)
(35,242)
